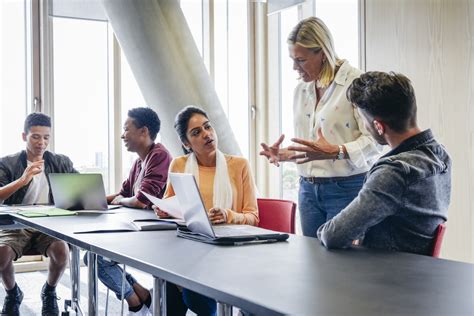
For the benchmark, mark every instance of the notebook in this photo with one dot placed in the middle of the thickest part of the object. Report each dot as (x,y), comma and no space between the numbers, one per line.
(44,211)
(78,191)
(117,226)
(198,227)
(154,224)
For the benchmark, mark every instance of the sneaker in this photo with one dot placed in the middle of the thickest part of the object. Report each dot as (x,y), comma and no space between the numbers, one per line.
(144,311)
(50,302)
(11,304)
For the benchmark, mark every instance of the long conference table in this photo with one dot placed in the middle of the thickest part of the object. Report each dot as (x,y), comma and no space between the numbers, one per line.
(297,277)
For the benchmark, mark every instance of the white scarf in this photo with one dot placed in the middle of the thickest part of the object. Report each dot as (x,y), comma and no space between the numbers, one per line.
(222,191)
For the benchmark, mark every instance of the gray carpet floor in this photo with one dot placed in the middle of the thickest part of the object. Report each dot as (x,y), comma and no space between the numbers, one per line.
(32,282)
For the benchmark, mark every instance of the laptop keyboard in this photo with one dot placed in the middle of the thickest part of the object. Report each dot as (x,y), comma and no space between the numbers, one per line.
(233,230)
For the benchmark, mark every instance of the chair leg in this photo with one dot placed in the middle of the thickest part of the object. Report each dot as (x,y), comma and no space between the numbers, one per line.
(74,270)
(121,294)
(107,302)
(123,288)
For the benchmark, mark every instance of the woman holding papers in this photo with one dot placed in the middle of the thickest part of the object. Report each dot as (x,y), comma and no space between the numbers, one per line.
(226,182)
(227,189)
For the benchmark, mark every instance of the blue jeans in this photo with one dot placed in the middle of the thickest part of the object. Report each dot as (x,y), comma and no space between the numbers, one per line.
(322,199)
(199,304)
(110,273)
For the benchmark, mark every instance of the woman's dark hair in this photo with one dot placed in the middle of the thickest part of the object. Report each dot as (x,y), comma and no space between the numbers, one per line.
(36,119)
(387,96)
(182,120)
(146,117)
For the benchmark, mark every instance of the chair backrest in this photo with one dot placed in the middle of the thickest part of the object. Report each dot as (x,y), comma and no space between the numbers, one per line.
(438,240)
(277,215)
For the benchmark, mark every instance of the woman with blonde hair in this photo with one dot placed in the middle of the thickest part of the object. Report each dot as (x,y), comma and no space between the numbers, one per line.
(332,148)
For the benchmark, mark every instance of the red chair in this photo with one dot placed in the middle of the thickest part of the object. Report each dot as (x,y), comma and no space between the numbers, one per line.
(438,240)
(277,215)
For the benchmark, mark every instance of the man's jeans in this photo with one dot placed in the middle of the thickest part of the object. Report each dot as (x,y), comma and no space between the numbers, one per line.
(110,273)
(322,199)
(180,300)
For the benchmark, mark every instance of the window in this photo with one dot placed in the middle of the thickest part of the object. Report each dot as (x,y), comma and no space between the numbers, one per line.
(15,79)
(192,10)
(342,19)
(230,58)
(289,174)
(131,97)
(81,67)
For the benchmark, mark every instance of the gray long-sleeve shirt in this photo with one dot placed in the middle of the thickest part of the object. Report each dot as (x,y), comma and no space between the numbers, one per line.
(405,197)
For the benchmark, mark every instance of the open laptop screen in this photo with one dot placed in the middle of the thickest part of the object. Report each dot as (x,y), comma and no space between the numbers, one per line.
(76,191)
(191,202)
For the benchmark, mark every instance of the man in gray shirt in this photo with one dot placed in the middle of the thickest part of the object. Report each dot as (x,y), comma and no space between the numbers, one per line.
(406,193)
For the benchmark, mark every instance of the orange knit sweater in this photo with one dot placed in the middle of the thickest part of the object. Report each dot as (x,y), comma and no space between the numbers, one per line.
(244,206)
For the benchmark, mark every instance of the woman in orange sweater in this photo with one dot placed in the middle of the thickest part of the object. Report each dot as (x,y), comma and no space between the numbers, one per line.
(227,189)
(226,183)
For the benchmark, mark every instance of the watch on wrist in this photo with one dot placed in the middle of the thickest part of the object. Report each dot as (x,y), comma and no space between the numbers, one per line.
(341,154)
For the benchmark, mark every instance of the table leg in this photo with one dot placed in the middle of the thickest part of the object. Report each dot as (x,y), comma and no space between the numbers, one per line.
(75,280)
(159,295)
(93,288)
(224,309)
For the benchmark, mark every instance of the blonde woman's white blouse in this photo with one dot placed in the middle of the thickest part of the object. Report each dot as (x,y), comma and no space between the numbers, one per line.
(340,123)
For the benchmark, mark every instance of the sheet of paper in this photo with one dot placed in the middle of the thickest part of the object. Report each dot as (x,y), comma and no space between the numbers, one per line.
(169,205)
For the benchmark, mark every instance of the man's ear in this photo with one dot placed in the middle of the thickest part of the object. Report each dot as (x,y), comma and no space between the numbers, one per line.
(379,127)
(23,135)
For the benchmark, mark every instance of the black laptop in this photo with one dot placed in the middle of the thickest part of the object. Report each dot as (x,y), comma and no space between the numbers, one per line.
(199,228)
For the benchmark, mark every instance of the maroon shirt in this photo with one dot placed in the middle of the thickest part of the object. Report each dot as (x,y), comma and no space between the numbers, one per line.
(155,175)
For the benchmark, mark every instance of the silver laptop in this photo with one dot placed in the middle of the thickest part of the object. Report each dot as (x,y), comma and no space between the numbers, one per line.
(197,221)
(78,191)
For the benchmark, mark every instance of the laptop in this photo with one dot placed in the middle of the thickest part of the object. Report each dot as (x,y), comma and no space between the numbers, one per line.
(198,227)
(79,191)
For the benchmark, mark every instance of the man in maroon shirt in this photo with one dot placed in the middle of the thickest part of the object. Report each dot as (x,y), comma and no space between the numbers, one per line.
(150,171)
(149,174)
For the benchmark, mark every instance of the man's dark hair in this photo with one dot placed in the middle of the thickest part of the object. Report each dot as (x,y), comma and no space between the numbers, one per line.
(182,120)
(146,117)
(387,96)
(36,119)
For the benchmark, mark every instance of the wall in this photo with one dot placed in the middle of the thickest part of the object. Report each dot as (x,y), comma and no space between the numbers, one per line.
(431,41)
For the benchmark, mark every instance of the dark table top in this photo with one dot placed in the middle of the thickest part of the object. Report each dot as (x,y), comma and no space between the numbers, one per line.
(295,277)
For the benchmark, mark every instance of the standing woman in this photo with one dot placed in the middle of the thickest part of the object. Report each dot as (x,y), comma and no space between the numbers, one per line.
(337,150)
(227,189)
